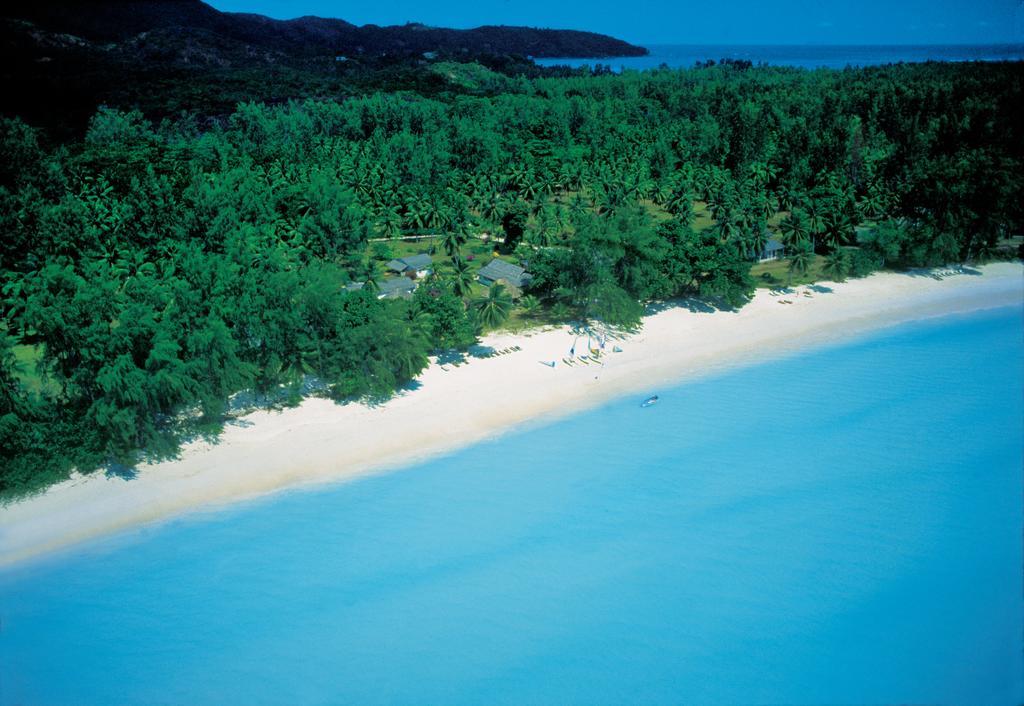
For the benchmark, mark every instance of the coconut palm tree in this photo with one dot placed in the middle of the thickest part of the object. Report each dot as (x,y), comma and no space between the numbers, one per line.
(985,250)
(371,276)
(462,277)
(800,260)
(837,228)
(746,216)
(407,352)
(757,241)
(793,228)
(390,223)
(494,210)
(837,265)
(571,177)
(494,309)
(813,212)
(784,198)
(419,212)
(454,238)
(300,361)
(530,305)
(726,229)
(678,201)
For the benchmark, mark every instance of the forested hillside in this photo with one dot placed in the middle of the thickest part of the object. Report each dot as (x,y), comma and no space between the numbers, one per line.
(60,59)
(152,270)
(121,20)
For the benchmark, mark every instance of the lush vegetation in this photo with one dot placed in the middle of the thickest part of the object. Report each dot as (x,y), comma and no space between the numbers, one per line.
(151,271)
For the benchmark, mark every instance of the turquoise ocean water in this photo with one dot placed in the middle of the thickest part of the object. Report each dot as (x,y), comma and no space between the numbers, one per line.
(839,527)
(808,56)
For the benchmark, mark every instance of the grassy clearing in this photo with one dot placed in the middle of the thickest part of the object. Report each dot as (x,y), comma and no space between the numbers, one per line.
(27,361)
(776,273)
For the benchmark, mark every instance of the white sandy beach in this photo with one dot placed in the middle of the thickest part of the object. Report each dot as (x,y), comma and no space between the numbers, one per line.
(320,441)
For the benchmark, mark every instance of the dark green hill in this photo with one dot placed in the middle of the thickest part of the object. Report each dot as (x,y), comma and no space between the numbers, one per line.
(60,60)
(119,20)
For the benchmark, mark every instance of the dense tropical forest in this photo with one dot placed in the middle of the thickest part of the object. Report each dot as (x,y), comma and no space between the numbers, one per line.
(153,270)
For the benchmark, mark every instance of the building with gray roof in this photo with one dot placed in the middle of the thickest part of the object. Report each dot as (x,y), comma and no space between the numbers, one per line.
(773,250)
(418,265)
(395,287)
(499,269)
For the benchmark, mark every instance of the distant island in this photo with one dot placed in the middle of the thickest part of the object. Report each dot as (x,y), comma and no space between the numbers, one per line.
(105,21)
(61,59)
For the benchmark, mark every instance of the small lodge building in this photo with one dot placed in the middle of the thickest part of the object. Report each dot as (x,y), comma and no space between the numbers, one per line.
(773,250)
(497,269)
(396,288)
(415,266)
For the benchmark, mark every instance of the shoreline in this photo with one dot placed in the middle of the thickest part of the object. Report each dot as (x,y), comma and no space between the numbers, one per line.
(453,407)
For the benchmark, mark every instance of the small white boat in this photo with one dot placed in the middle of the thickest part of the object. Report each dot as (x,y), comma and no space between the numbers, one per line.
(653,399)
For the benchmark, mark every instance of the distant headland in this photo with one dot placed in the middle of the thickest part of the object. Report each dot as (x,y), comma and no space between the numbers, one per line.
(227,33)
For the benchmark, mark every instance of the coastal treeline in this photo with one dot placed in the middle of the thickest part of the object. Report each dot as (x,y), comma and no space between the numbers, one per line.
(152,271)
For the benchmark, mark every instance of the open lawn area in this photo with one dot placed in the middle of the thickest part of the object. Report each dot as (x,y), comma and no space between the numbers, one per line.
(776,273)
(27,360)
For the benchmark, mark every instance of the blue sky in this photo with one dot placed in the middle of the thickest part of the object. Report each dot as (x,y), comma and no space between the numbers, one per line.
(691,22)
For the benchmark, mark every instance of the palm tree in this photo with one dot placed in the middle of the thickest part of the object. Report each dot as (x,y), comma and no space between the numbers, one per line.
(793,228)
(530,188)
(684,212)
(726,228)
(986,249)
(758,240)
(800,260)
(390,223)
(462,277)
(371,276)
(493,210)
(419,212)
(454,238)
(814,220)
(300,361)
(785,198)
(495,307)
(571,177)
(530,305)
(763,173)
(407,353)
(837,228)
(678,202)
(746,217)
(540,236)
(578,206)
(836,265)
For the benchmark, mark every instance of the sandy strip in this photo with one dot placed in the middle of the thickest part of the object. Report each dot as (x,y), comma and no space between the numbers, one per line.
(320,441)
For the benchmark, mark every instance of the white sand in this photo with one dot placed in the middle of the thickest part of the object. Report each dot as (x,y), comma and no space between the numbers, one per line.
(321,441)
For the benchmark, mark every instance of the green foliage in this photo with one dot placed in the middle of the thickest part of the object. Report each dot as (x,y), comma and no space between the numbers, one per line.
(837,265)
(800,259)
(494,308)
(513,224)
(160,269)
(449,324)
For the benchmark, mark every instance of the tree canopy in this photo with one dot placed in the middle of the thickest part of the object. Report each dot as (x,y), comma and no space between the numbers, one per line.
(152,270)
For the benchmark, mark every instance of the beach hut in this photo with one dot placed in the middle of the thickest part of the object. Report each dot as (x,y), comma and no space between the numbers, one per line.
(497,269)
(412,266)
(773,250)
(396,287)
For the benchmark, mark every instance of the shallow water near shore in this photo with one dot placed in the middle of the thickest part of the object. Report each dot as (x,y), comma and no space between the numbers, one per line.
(842,526)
